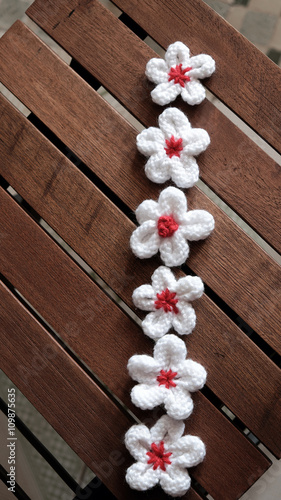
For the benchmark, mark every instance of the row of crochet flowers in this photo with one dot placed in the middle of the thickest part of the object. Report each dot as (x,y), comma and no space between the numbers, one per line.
(167,378)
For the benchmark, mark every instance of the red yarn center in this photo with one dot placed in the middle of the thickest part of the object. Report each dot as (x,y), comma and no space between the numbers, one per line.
(174,147)
(166,378)
(178,75)
(158,457)
(167,300)
(167,226)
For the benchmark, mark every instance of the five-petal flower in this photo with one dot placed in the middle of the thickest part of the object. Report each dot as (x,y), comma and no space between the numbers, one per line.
(179,74)
(168,300)
(162,456)
(171,149)
(166,378)
(166,226)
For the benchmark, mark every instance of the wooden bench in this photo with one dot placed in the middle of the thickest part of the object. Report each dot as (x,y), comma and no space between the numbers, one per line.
(66,339)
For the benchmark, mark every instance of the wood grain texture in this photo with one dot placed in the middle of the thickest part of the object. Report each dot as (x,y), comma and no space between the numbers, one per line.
(228,450)
(245,177)
(245,79)
(62,392)
(106,142)
(69,400)
(251,391)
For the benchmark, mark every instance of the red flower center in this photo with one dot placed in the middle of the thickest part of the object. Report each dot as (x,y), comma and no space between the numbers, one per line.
(157,457)
(178,75)
(167,226)
(166,378)
(174,147)
(166,300)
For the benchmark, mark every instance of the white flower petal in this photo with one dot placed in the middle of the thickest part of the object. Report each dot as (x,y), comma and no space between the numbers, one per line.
(165,93)
(163,278)
(169,352)
(157,323)
(189,288)
(143,368)
(166,429)
(138,441)
(174,250)
(177,53)
(202,65)
(172,201)
(141,476)
(176,482)
(157,70)
(150,141)
(157,168)
(147,210)
(188,451)
(192,375)
(196,141)
(197,225)
(146,396)
(193,92)
(184,322)
(144,297)
(174,122)
(178,403)
(185,173)
(145,240)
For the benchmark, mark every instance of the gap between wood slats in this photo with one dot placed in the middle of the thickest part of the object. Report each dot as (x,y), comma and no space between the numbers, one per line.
(238,171)
(26,285)
(243,303)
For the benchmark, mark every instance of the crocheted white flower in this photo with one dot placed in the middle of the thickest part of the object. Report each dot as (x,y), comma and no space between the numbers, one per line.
(163,454)
(167,378)
(166,226)
(171,149)
(169,301)
(179,74)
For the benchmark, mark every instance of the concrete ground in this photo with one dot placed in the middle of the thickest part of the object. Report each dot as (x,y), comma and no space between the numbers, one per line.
(260,22)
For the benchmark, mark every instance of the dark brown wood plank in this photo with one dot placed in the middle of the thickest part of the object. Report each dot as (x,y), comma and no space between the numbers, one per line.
(246,80)
(228,256)
(241,173)
(71,402)
(249,390)
(93,426)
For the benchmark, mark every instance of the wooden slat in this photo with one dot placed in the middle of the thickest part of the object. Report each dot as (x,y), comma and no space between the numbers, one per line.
(78,410)
(228,450)
(233,166)
(219,344)
(228,256)
(246,80)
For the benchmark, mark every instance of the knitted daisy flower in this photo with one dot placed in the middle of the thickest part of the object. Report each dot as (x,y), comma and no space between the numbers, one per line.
(171,149)
(179,74)
(169,301)
(167,378)
(162,456)
(166,226)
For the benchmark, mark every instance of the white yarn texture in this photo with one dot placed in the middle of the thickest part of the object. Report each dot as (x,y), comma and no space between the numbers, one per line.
(179,74)
(166,226)
(169,303)
(171,149)
(166,378)
(169,453)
